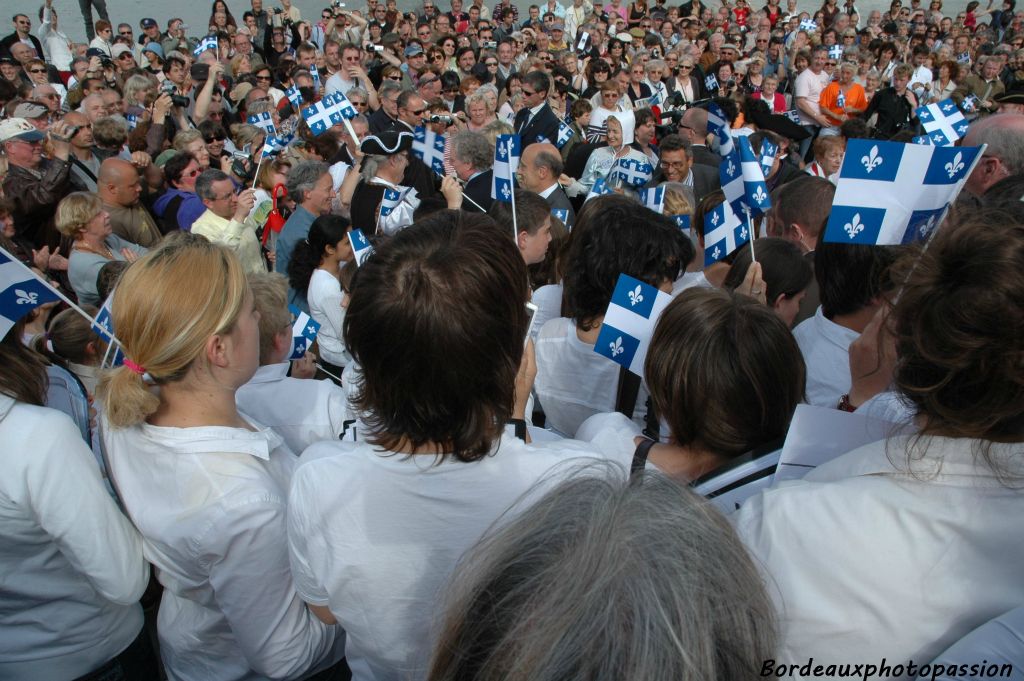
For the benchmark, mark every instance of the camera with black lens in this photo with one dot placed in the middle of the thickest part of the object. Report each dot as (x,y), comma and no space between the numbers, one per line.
(671,127)
(277,10)
(442,118)
(106,62)
(180,100)
(370,47)
(489,44)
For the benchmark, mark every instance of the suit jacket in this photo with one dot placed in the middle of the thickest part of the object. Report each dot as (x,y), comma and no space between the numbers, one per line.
(705,180)
(705,157)
(543,127)
(479,190)
(559,199)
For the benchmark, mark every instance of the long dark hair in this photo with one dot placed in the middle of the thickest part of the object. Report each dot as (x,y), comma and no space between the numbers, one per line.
(24,374)
(326,230)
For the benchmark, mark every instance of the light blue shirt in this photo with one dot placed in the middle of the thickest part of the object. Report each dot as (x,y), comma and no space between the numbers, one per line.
(296,229)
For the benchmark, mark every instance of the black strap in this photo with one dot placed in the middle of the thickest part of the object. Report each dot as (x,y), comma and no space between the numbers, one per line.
(629,389)
(169,220)
(85,169)
(640,455)
(520,428)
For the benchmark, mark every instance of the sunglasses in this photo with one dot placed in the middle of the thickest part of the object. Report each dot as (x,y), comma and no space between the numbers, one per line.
(417,112)
(428,81)
(491,63)
(125,32)
(263,78)
(394,78)
(357,103)
(37,70)
(528,93)
(219,137)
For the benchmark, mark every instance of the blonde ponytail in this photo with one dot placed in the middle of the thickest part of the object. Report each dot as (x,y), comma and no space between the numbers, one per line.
(127,399)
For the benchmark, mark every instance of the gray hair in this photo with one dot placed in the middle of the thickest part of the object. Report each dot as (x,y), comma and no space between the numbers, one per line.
(655,63)
(549,160)
(388,87)
(204,183)
(613,580)
(1002,133)
(134,85)
(472,148)
(479,98)
(358,92)
(303,176)
(261,106)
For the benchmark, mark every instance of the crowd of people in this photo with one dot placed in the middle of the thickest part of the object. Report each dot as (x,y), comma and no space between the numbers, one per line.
(450,482)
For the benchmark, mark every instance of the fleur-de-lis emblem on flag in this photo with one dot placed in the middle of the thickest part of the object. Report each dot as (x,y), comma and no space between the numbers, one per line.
(855,226)
(714,219)
(956,165)
(947,107)
(616,347)
(505,191)
(635,296)
(743,233)
(731,168)
(872,160)
(502,151)
(925,229)
(760,195)
(26,297)
(717,253)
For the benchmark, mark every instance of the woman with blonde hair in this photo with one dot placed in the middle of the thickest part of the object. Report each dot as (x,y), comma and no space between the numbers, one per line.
(80,217)
(205,485)
(192,141)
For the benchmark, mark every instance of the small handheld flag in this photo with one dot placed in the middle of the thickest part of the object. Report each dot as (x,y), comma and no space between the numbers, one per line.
(629,323)
(743,180)
(584,40)
(304,330)
(792,115)
(724,232)
(682,222)
(963,58)
(892,193)
(392,199)
(21,291)
(316,76)
(653,198)
(970,103)
(710,82)
(840,100)
(133,121)
(294,96)
(718,124)
(808,25)
(207,43)
(943,122)
(103,326)
(835,52)
(274,144)
(506,163)
(429,147)
(769,152)
(361,248)
(263,121)
(565,134)
(599,189)
(561,213)
(632,172)
(329,111)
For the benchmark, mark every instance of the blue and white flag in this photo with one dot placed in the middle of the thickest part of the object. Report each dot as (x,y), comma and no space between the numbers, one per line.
(653,198)
(103,326)
(718,125)
(922,139)
(963,58)
(328,112)
(429,147)
(361,248)
(808,25)
(710,82)
(273,144)
(835,52)
(304,330)
(316,76)
(506,163)
(724,232)
(840,100)
(340,108)
(633,172)
(562,214)
(294,96)
(682,222)
(743,180)
(133,121)
(264,121)
(970,103)
(565,134)
(21,291)
(792,115)
(892,193)
(207,43)
(769,152)
(943,122)
(600,188)
(629,323)
(392,199)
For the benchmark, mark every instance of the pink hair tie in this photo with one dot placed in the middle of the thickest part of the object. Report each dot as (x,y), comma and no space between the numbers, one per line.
(135,368)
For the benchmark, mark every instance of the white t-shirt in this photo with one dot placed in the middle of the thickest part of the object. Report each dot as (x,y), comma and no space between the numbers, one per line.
(809,85)
(573,382)
(825,346)
(324,296)
(375,536)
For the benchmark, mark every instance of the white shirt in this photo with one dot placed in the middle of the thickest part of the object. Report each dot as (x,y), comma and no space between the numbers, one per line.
(574,382)
(324,295)
(71,562)
(867,560)
(211,503)
(301,410)
(338,84)
(809,85)
(374,536)
(825,346)
(56,44)
(548,300)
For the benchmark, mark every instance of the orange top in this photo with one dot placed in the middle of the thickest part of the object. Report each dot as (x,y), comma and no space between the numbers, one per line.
(855,98)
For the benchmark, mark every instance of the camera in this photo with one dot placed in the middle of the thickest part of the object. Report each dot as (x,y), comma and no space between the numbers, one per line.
(337,5)
(370,47)
(489,44)
(277,10)
(441,118)
(106,62)
(670,127)
(179,100)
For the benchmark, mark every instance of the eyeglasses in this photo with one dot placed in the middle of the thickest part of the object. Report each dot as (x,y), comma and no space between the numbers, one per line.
(263,78)
(37,70)
(124,32)
(491,63)
(610,94)
(416,112)
(688,67)
(219,137)
(126,55)
(527,93)
(356,103)
(394,78)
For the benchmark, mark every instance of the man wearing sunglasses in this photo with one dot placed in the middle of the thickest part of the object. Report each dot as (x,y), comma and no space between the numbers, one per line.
(22,34)
(536,122)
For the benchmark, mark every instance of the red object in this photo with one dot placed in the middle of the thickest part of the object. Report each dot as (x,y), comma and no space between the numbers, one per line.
(275,221)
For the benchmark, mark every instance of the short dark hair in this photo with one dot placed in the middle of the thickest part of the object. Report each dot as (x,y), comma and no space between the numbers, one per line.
(643,116)
(724,372)
(806,201)
(204,183)
(538,80)
(675,142)
(170,62)
(784,268)
(850,276)
(437,323)
(531,211)
(615,235)
(176,165)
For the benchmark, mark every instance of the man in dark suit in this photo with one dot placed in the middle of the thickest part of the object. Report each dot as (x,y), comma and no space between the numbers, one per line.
(472,155)
(677,165)
(22,34)
(536,122)
(540,166)
(694,128)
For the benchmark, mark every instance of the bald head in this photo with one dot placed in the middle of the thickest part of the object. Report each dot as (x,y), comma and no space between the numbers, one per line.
(696,119)
(1004,135)
(93,107)
(118,183)
(540,166)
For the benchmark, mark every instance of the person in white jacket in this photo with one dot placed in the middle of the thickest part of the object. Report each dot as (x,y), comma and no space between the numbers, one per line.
(72,563)
(57,46)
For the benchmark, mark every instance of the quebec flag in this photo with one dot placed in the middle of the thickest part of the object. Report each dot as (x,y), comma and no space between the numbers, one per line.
(506,163)
(263,121)
(273,145)
(329,111)
(315,73)
(724,232)
(769,152)
(207,43)
(682,222)
(743,180)
(600,187)
(294,96)
(21,291)
(891,193)
(710,82)
(632,171)
(392,199)
(361,248)
(133,121)
(942,122)
(304,330)
(561,213)
(565,134)
(103,326)
(653,198)
(718,124)
(629,323)
(429,147)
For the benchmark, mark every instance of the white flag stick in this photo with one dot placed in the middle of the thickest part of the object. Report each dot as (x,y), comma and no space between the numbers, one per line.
(750,226)
(512,187)
(256,175)
(351,130)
